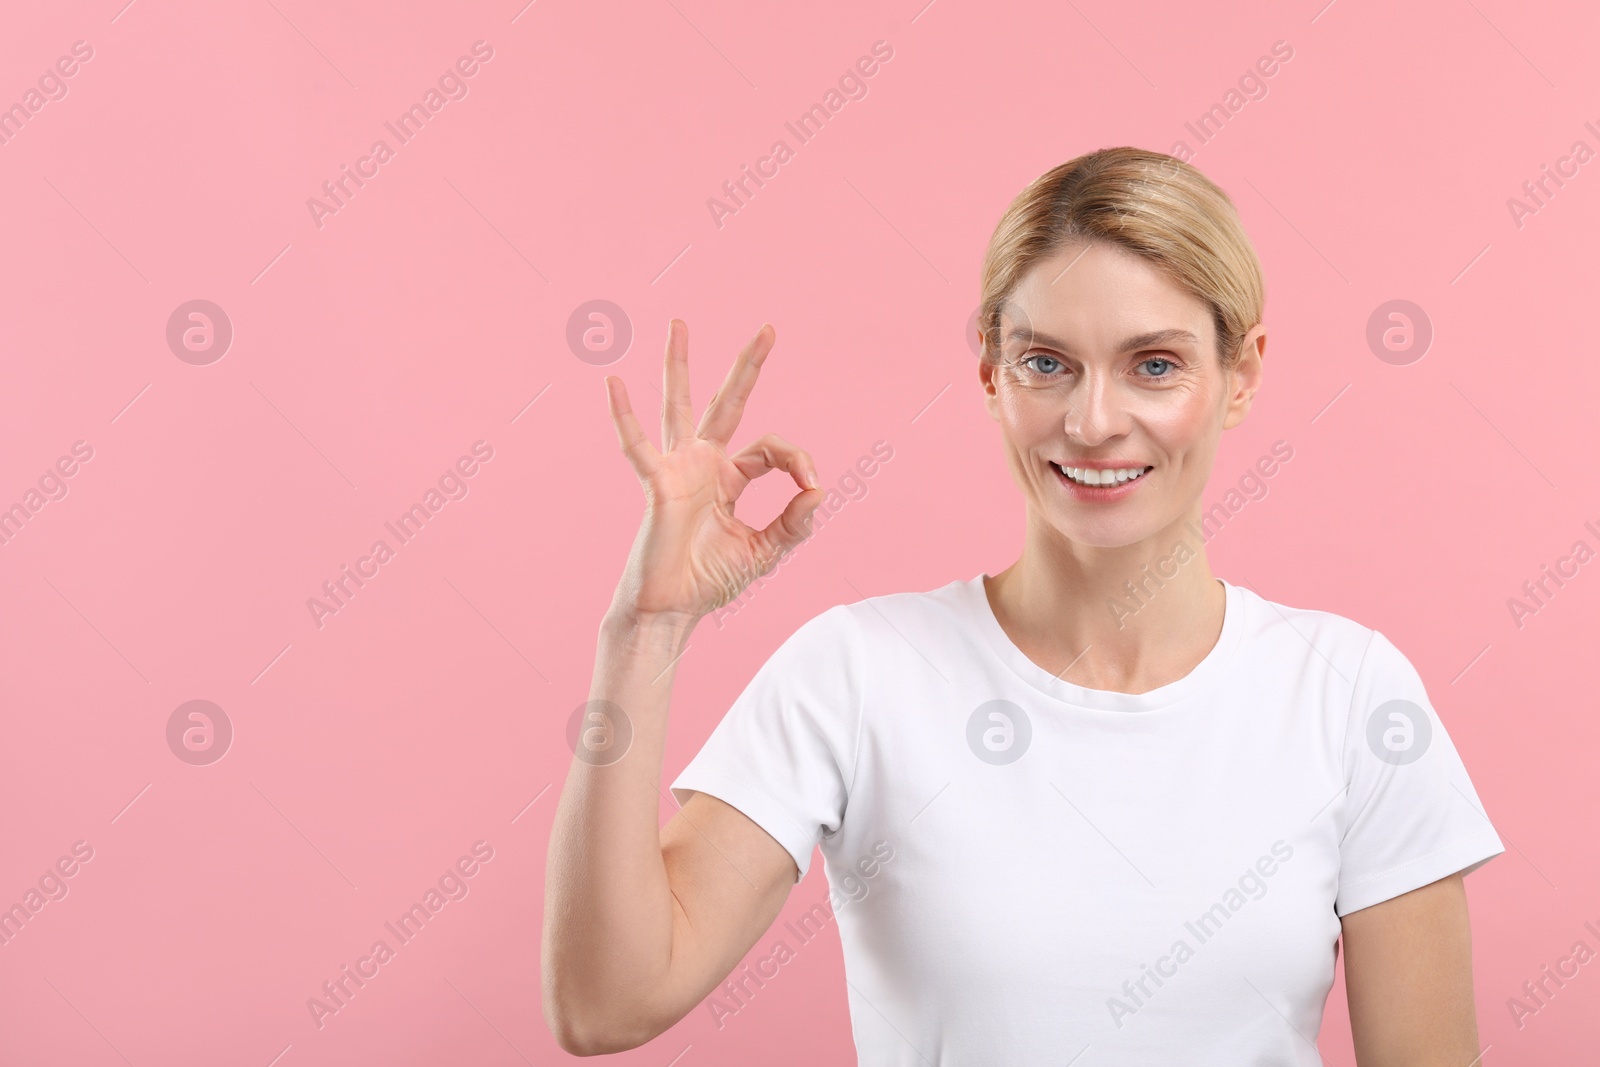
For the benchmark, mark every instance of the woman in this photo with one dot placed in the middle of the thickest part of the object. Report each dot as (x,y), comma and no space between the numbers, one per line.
(1102,804)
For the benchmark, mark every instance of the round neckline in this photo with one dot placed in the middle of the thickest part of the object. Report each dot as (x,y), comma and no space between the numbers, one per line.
(1105,699)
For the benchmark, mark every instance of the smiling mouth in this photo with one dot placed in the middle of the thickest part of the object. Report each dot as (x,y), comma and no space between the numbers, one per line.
(1088,476)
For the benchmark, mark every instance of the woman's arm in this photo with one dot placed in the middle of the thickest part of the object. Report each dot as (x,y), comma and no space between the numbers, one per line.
(642,922)
(1408,975)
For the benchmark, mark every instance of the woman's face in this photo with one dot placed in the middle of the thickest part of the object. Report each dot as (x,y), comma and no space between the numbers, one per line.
(1105,363)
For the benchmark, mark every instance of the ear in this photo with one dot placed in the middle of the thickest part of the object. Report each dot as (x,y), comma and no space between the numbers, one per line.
(1245,377)
(986,373)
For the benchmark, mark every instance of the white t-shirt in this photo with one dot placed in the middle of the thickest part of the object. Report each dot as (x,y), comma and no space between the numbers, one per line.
(1141,879)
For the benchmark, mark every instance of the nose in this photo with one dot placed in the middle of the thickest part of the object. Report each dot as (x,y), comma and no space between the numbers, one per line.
(1095,411)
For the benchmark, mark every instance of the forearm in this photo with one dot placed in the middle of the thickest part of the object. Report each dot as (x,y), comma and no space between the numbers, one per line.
(609,910)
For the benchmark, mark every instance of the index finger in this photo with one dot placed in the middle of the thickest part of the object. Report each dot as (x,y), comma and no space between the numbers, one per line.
(722,414)
(635,445)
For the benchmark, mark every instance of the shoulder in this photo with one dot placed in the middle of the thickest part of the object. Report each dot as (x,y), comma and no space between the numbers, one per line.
(869,625)
(884,615)
(1319,640)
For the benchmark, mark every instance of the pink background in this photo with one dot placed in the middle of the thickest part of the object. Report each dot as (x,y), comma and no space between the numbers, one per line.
(371,352)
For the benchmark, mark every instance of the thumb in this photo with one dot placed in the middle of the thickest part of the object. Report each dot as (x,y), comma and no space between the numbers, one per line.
(785,532)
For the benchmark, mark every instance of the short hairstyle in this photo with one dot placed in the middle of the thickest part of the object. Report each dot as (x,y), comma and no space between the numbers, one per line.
(1148,203)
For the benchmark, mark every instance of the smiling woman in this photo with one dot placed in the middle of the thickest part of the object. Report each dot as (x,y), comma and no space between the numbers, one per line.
(1071,786)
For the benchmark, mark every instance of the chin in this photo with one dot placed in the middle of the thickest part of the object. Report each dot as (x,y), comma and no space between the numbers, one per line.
(1106,533)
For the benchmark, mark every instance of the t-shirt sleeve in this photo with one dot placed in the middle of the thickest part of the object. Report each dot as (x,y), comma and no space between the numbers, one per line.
(784,754)
(1413,816)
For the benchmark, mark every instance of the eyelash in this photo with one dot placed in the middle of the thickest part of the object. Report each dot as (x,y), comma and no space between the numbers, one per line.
(1174,364)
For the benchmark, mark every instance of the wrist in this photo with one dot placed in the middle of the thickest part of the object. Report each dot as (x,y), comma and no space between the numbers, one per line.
(646,628)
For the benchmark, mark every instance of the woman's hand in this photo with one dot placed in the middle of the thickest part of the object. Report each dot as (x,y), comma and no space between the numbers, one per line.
(692,555)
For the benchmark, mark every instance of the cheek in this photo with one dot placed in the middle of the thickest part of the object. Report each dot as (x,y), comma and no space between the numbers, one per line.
(1025,420)
(1024,427)
(1181,424)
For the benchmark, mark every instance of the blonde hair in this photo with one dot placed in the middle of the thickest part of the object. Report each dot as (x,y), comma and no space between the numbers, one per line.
(1148,203)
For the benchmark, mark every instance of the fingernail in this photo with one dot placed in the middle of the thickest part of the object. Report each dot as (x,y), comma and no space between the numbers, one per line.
(811,479)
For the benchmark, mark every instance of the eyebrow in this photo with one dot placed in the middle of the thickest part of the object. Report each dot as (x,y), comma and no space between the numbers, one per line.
(1131,344)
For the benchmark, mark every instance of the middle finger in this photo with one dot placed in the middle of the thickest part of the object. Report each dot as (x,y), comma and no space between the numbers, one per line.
(676,423)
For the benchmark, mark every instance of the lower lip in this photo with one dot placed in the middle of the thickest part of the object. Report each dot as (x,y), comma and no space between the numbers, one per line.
(1099,494)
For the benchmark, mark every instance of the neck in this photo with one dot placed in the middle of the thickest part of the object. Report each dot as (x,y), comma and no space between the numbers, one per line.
(1128,619)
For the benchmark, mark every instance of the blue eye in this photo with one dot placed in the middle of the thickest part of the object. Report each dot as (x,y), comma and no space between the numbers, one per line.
(1049,366)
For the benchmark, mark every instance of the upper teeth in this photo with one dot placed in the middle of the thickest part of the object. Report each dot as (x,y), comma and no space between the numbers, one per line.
(1089,476)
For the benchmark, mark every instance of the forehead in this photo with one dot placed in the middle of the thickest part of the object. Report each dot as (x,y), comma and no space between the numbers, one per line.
(1102,294)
